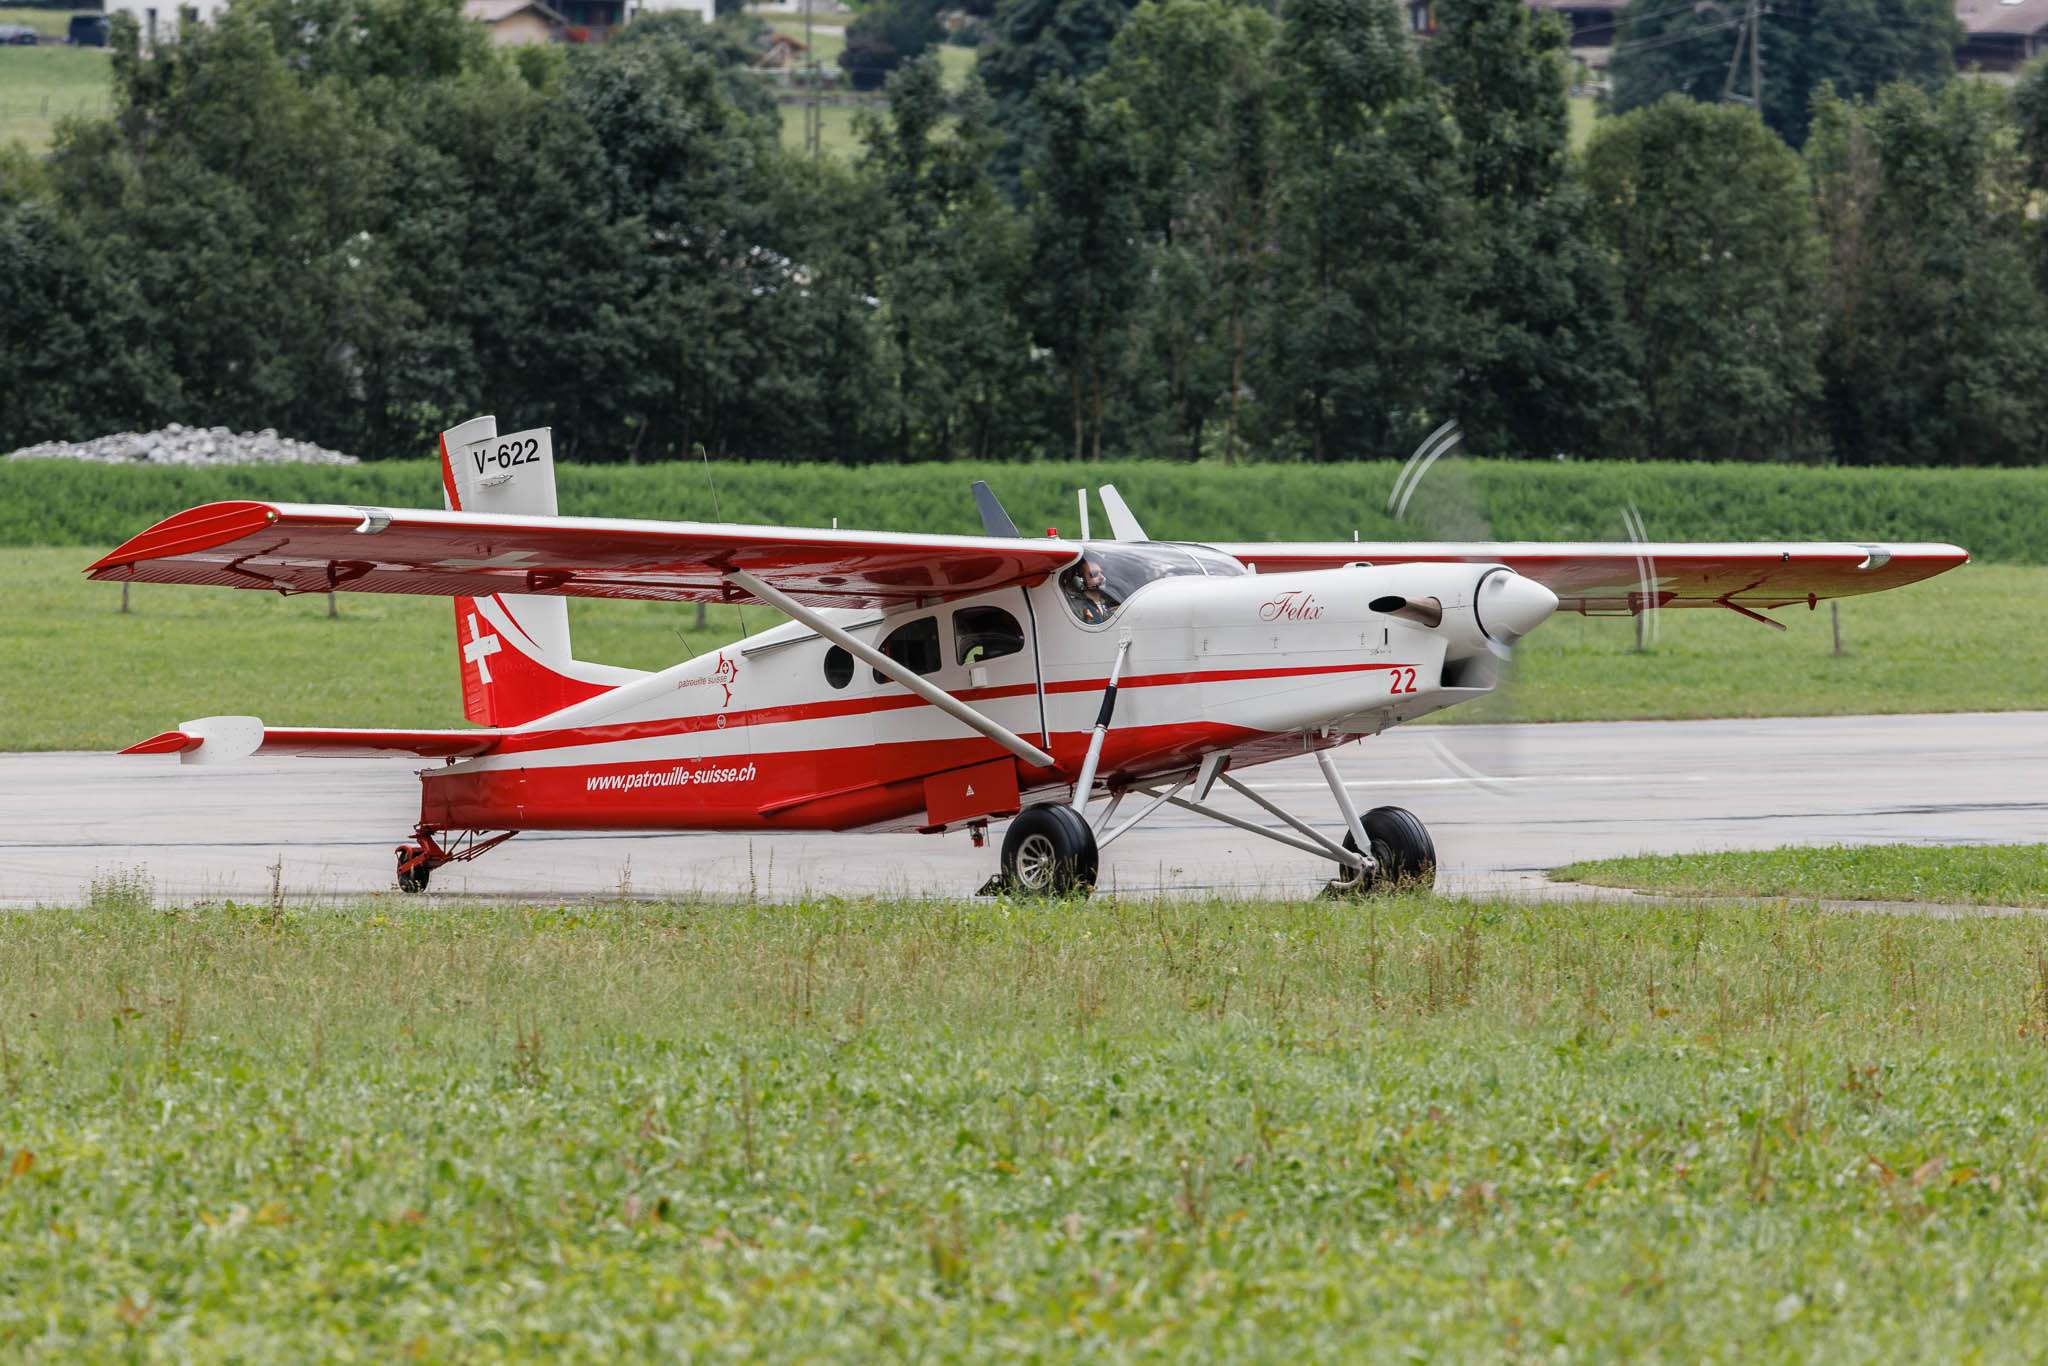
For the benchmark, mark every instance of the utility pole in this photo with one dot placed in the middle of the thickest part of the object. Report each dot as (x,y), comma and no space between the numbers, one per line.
(814,117)
(1751,33)
(1756,43)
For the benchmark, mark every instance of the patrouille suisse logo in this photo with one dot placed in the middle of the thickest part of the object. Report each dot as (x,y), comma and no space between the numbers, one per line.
(1293,605)
(727,674)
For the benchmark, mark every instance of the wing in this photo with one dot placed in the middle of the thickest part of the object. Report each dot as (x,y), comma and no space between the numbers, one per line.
(1622,577)
(309,548)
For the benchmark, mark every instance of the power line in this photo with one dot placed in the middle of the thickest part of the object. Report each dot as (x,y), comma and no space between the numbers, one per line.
(1672,38)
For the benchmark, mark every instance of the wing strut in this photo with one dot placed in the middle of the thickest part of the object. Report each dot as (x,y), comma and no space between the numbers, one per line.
(868,654)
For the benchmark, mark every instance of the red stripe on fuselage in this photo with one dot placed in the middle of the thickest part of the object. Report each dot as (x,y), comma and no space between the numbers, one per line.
(529,742)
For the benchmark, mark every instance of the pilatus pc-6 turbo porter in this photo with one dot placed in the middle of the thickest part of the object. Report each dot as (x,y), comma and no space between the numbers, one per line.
(927,683)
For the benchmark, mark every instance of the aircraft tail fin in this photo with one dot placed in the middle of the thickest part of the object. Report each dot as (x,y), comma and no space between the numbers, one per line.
(516,660)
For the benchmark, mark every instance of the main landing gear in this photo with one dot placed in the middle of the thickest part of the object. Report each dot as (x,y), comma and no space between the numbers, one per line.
(417,861)
(1053,851)
(1049,852)
(1402,852)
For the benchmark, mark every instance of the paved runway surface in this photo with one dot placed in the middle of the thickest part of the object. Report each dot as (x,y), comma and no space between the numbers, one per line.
(1503,803)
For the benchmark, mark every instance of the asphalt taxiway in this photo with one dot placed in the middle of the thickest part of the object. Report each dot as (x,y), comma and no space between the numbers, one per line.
(1503,803)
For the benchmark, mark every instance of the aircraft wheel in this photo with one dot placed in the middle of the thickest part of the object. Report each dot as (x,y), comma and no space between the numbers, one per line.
(1400,846)
(1049,852)
(412,879)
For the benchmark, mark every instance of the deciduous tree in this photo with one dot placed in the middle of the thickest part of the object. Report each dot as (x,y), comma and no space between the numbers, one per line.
(1855,46)
(1935,335)
(1707,215)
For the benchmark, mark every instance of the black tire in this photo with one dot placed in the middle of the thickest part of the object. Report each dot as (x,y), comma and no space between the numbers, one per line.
(1049,851)
(412,879)
(1400,846)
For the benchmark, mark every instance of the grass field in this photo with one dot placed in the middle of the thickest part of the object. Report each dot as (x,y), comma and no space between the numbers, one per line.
(827,40)
(1279,1132)
(1989,875)
(77,674)
(1584,113)
(52,25)
(836,137)
(39,85)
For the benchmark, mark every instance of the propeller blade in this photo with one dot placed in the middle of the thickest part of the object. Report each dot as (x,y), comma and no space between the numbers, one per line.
(1646,573)
(1444,439)
(1488,759)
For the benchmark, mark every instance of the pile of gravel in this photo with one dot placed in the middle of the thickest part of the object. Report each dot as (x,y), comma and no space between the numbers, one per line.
(180,445)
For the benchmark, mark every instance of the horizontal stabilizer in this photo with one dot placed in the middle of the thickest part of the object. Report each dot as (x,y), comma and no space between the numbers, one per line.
(222,739)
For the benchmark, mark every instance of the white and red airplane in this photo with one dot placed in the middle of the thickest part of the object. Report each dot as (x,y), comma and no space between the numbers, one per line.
(928,682)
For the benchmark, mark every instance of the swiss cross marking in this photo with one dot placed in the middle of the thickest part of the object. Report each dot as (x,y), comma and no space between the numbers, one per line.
(480,645)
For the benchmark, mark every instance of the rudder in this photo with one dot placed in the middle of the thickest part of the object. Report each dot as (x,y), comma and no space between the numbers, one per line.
(514,649)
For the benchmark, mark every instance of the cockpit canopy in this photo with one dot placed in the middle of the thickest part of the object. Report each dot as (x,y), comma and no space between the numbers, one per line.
(1110,571)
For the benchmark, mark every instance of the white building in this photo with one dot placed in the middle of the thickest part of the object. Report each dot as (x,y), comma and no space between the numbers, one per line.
(161,19)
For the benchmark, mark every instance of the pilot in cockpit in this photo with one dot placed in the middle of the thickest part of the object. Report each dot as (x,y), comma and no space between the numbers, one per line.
(1087,593)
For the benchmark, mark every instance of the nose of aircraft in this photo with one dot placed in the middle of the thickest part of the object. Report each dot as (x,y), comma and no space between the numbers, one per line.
(1510,606)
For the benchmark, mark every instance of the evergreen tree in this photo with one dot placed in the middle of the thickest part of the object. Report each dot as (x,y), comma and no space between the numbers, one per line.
(1084,249)
(1195,78)
(1542,368)
(1365,324)
(1032,41)
(950,263)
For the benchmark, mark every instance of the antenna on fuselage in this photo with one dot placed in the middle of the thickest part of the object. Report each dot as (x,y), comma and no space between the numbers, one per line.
(994,521)
(717,512)
(1122,524)
(1084,514)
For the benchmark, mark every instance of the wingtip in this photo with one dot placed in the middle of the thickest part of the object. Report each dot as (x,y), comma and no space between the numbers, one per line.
(194,529)
(170,742)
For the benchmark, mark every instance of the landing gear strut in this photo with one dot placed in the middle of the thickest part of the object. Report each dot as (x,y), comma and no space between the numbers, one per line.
(1052,850)
(417,862)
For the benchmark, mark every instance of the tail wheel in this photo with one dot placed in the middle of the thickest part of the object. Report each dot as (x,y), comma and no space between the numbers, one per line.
(413,878)
(1400,846)
(1049,851)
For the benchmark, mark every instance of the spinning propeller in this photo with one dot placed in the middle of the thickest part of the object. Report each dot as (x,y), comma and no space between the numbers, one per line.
(1452,509)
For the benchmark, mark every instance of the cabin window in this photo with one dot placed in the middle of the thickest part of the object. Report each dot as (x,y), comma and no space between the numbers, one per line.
(838,667)
(1109,572)
(914,645)
(984,633)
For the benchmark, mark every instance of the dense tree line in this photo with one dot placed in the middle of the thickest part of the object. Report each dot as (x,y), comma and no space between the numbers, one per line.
(1186,229)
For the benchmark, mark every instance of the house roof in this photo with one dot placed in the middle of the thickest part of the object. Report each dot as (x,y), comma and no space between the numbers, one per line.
(498,11)
(2002,16)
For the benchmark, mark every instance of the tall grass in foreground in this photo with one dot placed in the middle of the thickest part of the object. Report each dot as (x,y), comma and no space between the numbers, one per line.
(1127,1130)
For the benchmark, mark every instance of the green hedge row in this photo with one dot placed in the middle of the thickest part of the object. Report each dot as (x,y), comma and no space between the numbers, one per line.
(1996,514)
